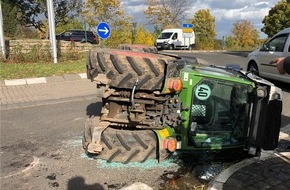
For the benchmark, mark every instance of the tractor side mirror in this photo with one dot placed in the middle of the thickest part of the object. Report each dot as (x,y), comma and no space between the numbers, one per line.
(261,92)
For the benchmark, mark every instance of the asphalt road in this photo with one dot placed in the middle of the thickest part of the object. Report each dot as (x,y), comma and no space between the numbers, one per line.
(41,149)
(36,137)
(218,58)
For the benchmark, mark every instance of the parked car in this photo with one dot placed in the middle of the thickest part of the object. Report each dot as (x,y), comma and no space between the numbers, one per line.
(78,36)
(259,61)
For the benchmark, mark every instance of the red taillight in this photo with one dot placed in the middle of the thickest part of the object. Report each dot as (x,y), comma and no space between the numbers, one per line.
(175,84)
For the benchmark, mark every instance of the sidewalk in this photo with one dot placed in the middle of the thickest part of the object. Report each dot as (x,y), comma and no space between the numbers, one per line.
(45,90)
(271,171)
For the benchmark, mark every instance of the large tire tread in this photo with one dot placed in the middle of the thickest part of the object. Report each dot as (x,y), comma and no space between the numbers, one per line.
(124,68)
(158,83)
(116,64)
(101,62)
(134,66)
(105,141)
(87,135)
(139,140)
(153,69)
(143,81)
(123,143)
(153,149)
(131,156)
(124,80)
(138,48)
(128,145)
(115,154)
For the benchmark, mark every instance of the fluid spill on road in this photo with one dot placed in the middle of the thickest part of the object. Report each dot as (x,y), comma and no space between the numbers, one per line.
(191,170)
(198,169)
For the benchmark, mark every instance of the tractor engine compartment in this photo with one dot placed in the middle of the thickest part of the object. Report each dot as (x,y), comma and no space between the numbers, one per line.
(144,110)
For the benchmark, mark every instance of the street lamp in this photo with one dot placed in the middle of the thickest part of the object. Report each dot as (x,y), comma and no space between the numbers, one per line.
(51,29)
(2,42)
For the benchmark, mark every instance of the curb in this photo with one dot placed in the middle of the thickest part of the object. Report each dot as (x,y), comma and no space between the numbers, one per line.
(43,80)
(194,51)
(30,82)
(218,182)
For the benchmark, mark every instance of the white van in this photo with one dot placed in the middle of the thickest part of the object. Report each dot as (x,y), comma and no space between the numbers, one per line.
(175,38)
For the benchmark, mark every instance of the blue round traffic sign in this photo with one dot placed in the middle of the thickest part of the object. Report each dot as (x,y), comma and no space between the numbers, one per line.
(103,30)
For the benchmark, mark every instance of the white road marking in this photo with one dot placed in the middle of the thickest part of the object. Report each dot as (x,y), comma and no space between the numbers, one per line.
(29,167)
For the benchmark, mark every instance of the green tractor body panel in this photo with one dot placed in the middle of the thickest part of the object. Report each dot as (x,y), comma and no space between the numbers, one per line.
(209,123)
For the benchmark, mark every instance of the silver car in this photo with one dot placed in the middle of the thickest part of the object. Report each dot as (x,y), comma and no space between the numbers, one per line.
(259,61)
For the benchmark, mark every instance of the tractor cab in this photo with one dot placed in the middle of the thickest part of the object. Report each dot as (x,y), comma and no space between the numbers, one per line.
(226,113)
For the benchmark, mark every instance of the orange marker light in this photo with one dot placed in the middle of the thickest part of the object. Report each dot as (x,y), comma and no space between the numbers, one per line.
(171,144)
(175,84)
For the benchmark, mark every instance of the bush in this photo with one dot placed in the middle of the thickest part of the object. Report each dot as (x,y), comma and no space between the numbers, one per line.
(204,44)
(39,53)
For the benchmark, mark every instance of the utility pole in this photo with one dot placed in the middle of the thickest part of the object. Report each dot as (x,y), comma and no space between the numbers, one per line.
(223,42)
(2,41)
(135,24)
(51,25)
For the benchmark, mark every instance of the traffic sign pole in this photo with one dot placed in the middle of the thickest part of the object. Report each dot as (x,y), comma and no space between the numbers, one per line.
(103,43)
(187,29)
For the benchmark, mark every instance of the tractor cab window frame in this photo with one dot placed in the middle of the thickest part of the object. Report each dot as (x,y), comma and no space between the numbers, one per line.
(219,113)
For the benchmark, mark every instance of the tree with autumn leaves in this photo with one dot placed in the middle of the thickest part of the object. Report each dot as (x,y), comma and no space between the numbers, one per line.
(244,34)
(171,13)
(96,11)
(29,14)
(167,13)
(204,27)
(277,19)
(145,37)
(159,13)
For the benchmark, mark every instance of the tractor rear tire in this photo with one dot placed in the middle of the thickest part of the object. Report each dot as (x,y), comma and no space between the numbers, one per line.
(87,134)
(124,69)
(138,48)
(128,145)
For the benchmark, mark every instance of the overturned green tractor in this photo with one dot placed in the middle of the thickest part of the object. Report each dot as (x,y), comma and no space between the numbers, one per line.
(154,105)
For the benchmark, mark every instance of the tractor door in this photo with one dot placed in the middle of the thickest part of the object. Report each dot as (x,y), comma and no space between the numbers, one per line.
(266,119)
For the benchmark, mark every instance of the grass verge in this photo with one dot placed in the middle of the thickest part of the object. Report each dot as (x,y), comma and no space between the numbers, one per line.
(31,70)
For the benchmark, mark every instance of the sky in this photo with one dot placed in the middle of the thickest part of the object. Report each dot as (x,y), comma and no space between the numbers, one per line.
(226,12)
